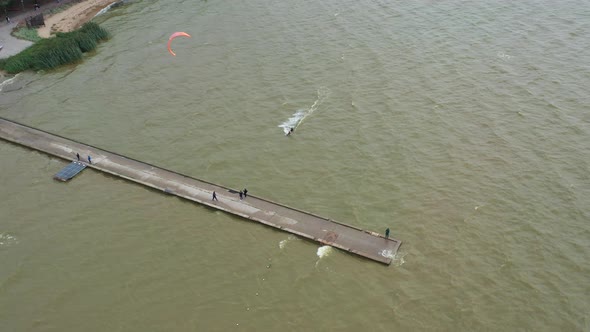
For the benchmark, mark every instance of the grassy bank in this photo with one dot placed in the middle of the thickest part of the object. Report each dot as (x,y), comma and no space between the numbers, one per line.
(49,53)
(25,33)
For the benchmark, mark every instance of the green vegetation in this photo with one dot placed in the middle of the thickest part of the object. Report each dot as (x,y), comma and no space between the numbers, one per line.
(53,52)
(27,34)
(4,4)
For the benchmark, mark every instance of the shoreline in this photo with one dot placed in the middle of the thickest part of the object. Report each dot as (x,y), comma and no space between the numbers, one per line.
(72,17)
(67,20)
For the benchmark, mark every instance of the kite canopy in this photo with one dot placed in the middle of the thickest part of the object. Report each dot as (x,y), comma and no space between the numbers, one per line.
(174,35)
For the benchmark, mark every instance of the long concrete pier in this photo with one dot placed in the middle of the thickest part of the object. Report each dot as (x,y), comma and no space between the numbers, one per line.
(307,225)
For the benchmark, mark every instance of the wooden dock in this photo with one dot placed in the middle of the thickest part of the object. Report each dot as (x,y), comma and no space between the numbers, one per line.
(307,225)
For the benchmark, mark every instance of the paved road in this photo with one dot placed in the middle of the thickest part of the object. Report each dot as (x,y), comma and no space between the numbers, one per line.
(11,45)
(304,224)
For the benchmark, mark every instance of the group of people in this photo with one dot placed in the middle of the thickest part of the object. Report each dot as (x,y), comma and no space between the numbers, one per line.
(243,194)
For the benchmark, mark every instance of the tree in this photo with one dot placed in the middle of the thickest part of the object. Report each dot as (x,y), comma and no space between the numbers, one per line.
(4,5)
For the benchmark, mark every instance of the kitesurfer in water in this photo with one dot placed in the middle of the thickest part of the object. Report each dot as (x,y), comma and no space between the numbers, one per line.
(290,131)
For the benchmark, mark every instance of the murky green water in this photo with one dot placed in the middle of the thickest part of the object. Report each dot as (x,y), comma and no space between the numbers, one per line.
(462,126)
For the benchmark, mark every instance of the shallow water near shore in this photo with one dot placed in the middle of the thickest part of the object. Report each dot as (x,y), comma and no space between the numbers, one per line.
(464,128)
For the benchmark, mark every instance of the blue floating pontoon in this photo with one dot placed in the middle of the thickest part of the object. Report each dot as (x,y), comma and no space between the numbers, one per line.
(70,171)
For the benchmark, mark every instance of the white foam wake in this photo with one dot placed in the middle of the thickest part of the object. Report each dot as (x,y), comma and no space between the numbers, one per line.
(293,121)
(301,114)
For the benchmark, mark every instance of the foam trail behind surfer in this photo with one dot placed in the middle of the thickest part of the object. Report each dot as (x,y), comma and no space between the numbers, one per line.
(297,118)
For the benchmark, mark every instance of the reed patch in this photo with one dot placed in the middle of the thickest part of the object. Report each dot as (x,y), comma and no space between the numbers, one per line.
(65,48)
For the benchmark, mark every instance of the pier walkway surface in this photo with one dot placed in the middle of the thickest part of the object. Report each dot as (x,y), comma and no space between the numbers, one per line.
(325,231)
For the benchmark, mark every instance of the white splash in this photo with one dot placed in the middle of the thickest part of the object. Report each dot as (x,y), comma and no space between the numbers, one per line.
(324,251)
(398,259)
(504,56)
(387,253)
(7,239)
(284,242)
(297,118)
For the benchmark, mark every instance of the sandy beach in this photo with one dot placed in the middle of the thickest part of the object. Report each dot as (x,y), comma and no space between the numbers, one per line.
(72,17)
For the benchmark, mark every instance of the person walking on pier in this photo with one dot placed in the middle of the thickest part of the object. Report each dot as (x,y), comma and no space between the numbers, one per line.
(89,160)
(214,197)
(241,195)
(387,233)
(78,156)
(245,192)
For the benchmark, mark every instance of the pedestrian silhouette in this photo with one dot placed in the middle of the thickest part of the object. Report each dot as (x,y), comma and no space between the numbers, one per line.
(78,156)
(89,160)
(245,192)
(387,233)
(241,195)
(214,197)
